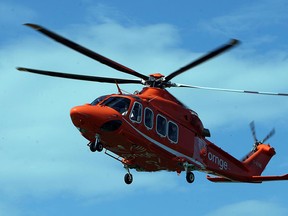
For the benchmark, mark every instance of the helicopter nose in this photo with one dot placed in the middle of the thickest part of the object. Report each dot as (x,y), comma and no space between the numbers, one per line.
(90,118)
(78,116)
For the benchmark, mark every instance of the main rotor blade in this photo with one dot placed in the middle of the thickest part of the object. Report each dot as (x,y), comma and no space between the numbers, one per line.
(230,90)
(86,51)
(80,77)
(202,59)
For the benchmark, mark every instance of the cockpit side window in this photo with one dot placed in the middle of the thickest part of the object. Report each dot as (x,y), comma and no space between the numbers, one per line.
(120,104)
(136,112)
(98,100)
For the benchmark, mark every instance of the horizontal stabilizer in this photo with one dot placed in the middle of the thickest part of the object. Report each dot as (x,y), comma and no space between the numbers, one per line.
(269,178)
(252,179)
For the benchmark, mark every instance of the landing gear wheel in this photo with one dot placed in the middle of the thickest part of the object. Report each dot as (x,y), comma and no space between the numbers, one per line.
(92,147)
(99,147)
(96,146)
(190,177)
(128,178)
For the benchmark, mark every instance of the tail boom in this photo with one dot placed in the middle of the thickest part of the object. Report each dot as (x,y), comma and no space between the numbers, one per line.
(255,163)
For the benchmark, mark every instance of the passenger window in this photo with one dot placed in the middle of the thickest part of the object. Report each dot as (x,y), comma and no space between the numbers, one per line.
(136,113)
(161,125)
(148,118)
(172,132)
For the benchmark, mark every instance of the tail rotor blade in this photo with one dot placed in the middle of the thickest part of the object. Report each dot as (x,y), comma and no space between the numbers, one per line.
(272,132)
(252,127)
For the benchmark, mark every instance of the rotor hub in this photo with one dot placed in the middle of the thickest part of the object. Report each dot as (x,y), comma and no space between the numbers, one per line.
(156,76)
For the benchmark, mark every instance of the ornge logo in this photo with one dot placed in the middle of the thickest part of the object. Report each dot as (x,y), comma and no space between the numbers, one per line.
(220,162)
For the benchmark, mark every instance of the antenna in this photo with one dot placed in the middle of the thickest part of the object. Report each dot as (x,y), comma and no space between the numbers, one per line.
(119,90)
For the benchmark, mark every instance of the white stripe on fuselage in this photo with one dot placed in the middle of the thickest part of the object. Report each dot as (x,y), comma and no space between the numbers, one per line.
(166,148)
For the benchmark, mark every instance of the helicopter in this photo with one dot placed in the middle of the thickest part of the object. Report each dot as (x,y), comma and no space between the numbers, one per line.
(151,130)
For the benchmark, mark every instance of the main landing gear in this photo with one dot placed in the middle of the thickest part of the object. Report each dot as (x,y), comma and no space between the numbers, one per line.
(190,177)
(128,178)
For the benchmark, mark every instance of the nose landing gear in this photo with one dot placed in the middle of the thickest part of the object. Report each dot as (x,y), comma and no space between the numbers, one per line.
(97,145)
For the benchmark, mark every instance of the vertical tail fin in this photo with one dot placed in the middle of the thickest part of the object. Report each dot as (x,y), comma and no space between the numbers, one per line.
(258,158)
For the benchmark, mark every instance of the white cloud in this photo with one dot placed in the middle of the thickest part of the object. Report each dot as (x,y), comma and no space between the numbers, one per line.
(249,18)
(102,13)
(13,13)
(251,207)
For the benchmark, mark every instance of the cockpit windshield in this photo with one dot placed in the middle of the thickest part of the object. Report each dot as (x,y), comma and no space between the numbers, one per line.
(98,100)
(120,104)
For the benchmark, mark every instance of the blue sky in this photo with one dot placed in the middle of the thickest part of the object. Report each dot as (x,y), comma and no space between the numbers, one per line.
(46,168)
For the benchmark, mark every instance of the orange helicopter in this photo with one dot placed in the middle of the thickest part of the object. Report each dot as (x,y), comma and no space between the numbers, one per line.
(151,130)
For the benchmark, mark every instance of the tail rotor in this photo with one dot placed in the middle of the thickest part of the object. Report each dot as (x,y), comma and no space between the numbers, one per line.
(256,141)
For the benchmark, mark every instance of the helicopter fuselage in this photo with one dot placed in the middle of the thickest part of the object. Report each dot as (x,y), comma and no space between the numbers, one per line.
(137,127)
